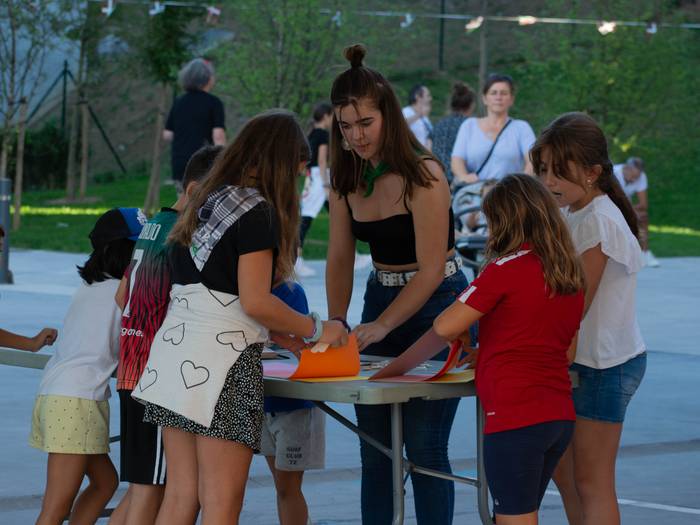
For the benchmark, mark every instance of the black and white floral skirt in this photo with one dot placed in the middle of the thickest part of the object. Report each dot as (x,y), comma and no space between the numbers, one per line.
(238,415)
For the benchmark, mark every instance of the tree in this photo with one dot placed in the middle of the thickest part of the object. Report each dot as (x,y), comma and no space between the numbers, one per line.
(161,47)
(283,53)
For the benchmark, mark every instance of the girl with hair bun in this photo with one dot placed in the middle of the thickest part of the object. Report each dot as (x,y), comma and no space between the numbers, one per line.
(389,191)
(445,131)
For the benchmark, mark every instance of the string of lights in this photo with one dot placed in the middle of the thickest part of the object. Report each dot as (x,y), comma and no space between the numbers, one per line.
(406,19)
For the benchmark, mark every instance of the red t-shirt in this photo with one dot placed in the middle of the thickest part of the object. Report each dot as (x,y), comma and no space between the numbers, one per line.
(522,374)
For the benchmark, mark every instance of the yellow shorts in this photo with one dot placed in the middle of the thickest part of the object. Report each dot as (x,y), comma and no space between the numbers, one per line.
(70,425)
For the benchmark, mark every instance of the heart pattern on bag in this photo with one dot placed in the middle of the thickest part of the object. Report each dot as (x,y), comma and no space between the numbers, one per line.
(224,299)
(175,335)
(149,377)
(235,340)
(181,300)
(193,375)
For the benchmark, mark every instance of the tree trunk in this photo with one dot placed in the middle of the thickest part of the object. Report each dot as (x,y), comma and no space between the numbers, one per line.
(5,153)
(153,194)
(19,164)
(85,147)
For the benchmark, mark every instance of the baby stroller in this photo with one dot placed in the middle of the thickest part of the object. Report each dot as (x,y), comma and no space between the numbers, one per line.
(469,243)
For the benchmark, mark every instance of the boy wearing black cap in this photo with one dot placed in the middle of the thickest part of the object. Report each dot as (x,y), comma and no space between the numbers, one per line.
(144,295)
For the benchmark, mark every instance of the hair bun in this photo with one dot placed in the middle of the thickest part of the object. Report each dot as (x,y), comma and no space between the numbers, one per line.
(460,88)
(355,54)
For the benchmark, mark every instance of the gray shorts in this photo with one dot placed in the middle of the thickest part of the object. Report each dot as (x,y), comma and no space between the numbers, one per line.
(296,439)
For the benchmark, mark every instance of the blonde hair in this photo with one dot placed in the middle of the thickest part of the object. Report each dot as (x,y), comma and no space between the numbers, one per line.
(265,155)
(520,209)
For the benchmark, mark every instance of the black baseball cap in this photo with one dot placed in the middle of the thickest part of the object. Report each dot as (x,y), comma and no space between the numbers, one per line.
(117,223)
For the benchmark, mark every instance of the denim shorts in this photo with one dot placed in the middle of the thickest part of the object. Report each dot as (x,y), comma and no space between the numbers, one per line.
(603,394)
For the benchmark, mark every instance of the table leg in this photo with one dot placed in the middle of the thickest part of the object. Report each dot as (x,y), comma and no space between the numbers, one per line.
(397,462)
(482,491)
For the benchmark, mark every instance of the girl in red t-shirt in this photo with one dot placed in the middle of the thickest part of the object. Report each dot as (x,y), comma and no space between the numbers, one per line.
(529,301)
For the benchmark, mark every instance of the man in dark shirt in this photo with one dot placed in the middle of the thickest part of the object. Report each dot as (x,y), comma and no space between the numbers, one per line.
(196,119)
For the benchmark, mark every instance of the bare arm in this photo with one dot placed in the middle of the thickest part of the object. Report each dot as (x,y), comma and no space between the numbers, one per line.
(431,250)
(168,135)
(527,168)
(455,320)
(593,261)
(46,336)
(642,201)
(459,171)
(120,296)
(340,258)
(254,276)
(323,164)
(218,136)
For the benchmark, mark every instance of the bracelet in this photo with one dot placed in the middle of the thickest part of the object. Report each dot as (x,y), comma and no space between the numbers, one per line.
(318,329)
(342,320)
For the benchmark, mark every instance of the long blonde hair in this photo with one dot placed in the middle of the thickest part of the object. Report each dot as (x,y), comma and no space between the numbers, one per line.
(265,155)
(520,209)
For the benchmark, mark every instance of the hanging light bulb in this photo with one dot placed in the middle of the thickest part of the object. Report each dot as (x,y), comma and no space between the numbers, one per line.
(526,20)
(605,28)
(108,8)
(213,14)
(407,20)
(474,24)
(157,8)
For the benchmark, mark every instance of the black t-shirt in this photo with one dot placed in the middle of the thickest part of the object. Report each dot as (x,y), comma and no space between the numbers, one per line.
(317,138)
(255,231)
(191,119)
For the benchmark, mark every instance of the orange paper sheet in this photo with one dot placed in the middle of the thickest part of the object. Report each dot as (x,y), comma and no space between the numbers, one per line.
(334,362)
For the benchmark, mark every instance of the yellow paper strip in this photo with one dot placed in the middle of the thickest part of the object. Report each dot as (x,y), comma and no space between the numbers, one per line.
(465,376)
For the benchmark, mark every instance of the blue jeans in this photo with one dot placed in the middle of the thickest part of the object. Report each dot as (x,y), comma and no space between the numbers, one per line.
(426,424)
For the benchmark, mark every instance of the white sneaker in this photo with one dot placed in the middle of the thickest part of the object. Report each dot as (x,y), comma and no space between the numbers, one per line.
(650,260)
(362,261)
(302,269)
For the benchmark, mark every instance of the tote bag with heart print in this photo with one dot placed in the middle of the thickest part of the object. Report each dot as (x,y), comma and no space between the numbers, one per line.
(202,336)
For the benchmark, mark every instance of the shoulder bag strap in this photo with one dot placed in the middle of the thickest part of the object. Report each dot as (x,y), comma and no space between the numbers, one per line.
(493,146)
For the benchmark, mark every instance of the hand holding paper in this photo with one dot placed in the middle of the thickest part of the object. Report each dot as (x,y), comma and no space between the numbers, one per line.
(320,361)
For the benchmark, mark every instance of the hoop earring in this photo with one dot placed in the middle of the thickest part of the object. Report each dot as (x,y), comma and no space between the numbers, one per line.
(345,144)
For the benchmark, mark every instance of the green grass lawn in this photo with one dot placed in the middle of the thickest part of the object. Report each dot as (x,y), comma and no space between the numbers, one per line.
(65,228)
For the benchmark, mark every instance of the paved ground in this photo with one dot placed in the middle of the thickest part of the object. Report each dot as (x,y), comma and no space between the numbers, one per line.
(658,466)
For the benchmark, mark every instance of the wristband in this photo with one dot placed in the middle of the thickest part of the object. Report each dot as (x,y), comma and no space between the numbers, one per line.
(318,329)
(342,320)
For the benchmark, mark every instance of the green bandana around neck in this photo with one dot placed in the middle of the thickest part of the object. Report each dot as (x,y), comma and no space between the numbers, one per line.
(371,174)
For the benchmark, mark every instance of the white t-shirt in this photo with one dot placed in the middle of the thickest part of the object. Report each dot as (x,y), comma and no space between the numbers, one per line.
(87,349)
(421,128)
(609,333)
(630,188)
(508,156)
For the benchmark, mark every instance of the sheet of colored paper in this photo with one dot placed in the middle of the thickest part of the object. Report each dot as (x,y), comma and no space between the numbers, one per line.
(332,379)
(426,347)
(463,376)
(319,361)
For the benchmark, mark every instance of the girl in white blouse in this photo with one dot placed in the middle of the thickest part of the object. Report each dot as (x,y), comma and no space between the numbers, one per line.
(571,158)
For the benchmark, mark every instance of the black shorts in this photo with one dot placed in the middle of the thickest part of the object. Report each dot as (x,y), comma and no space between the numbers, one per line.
(142,459)
(519,464)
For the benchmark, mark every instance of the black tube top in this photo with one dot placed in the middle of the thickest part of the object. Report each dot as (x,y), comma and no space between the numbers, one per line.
(392,241)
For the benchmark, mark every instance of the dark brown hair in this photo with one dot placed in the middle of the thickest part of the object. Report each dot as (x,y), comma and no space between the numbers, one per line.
(265,155)
(495,78)
(199,164)
(520,209)
(576,137)
(400,150)
(462,97)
